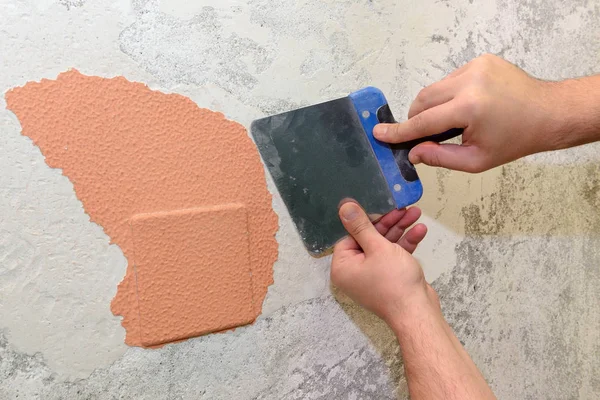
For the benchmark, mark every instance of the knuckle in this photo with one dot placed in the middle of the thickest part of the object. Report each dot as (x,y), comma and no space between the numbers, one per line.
(487,59)
(418,123)
(434,159)
(474,105)
(481,77)
(360,226)
(423,95)
(482,65)
(394,130)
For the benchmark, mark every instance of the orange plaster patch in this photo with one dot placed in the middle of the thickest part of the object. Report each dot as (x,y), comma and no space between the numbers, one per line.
(180,189)
(192,269)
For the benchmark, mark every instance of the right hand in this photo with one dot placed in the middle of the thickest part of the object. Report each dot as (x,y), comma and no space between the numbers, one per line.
(506,114)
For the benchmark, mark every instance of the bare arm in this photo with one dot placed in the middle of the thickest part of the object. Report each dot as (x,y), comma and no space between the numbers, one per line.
(506,114)
(377,270)
(436,364)
(579,111)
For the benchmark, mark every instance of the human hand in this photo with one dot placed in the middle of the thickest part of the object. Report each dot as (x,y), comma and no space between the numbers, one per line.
(506,114)
(374,265)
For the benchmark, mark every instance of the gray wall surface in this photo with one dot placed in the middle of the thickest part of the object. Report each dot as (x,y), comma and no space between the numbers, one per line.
(514,253)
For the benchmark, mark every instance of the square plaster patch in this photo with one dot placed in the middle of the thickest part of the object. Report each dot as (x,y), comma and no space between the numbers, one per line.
(193,272)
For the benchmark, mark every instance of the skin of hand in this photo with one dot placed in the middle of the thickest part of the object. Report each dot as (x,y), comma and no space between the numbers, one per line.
(374,266)
(506,114)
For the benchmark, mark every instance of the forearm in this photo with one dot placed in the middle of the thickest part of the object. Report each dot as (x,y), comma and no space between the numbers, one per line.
(436,364)
(576,113)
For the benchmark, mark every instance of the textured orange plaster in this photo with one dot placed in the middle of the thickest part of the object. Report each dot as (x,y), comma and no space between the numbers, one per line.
(129,150)
(192,269)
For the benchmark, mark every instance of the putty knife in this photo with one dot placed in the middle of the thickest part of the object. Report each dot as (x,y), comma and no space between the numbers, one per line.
(323,154)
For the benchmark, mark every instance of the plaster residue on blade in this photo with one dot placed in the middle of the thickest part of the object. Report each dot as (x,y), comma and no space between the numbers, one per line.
(262,134)
(318,156)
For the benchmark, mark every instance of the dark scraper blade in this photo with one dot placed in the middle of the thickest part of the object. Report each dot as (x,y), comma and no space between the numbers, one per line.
(318,156)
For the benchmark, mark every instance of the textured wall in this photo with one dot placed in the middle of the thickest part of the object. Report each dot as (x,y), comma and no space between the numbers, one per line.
(514,253)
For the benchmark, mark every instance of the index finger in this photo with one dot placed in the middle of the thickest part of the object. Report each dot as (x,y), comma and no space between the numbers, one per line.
(429,122)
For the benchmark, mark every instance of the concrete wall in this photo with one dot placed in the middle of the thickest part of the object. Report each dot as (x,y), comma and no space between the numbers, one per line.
(514,253)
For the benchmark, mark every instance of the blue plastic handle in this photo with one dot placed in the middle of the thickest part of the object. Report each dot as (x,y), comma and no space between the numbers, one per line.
(367,102)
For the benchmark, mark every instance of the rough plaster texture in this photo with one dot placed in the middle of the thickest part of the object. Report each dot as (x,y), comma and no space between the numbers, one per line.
(513,252)
(129,150)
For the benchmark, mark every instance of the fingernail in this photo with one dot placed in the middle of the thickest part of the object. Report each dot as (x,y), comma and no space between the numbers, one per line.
(380,130)
(349,211)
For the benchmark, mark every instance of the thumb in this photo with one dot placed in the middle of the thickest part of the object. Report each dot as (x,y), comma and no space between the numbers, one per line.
(451,156)
(360,227)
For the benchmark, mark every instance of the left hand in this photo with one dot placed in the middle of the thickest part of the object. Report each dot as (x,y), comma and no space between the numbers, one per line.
(374,265)
(394,225)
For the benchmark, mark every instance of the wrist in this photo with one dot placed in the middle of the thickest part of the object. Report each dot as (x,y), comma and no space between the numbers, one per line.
(421,304)
(573,114)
